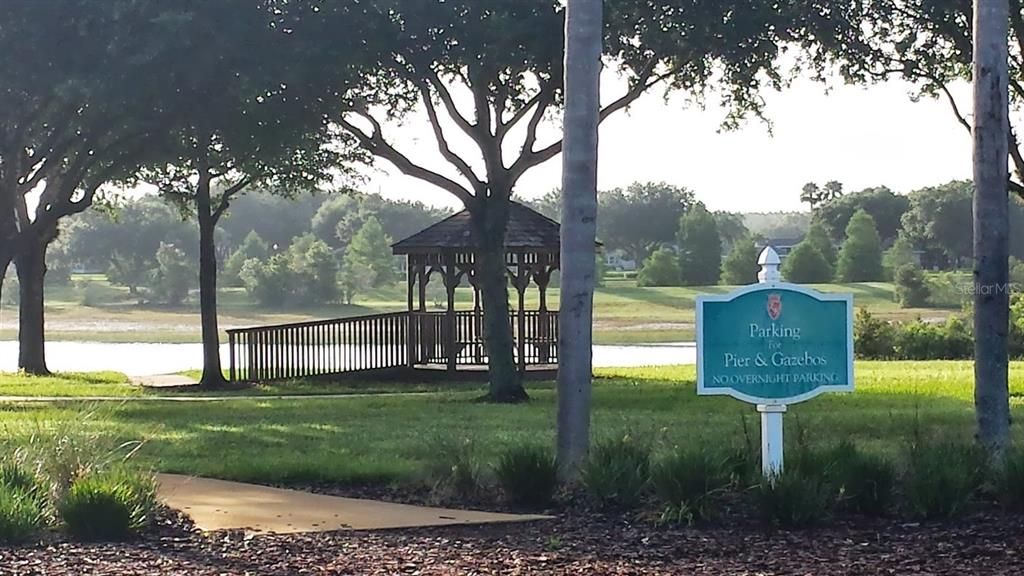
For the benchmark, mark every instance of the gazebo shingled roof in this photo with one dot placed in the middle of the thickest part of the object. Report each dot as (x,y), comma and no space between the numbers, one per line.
(528,231)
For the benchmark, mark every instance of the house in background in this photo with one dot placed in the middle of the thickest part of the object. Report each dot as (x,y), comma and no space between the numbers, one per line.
(782,246)
(619,261)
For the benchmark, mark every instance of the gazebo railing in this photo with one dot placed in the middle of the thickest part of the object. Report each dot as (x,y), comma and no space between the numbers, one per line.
(540,345)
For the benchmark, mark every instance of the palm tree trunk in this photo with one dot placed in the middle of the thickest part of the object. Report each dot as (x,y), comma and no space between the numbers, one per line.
(583,38)
(991,224)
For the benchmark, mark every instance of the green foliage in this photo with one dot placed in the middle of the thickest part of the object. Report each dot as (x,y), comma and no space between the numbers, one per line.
(21,514)
(700,249)
(657,204)
(866,483)
(796,498)
(686,482)
(919,340)
(939,220)
(528,476)
(355,278)
(267,282)
(1009,480)
(617,472)
(860,258)
(251,247)
(818,236)
(882,204)
(314,271)
(873,337)
(901,253)
(371,248)
(454,467)
(941,478)
(661,268)
(107,506)
(1017,273)
(740,265)
(600,269)
(174,276)
(806,265)
(912,289)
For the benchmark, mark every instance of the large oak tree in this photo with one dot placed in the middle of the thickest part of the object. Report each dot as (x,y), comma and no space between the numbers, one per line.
(491,71)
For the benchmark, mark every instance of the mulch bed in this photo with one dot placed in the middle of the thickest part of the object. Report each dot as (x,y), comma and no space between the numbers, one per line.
(576,543)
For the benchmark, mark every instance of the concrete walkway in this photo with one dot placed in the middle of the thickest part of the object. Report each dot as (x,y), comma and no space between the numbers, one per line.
(162,381)
(225,398)
(221,505)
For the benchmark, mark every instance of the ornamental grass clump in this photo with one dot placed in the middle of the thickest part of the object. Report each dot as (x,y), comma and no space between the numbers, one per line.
(617,472)
(866,483)
(108,506)
(454,468)
(686,482)
(795,498)
(22,501)
(1009,481)
(942,478)
(528,476)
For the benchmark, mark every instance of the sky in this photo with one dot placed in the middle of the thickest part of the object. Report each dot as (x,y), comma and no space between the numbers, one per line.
(860,136)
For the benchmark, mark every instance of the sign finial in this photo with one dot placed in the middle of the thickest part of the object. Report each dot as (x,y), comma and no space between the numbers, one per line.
(769,262)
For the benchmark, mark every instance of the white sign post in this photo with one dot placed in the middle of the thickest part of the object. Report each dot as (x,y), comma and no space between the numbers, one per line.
(772,458)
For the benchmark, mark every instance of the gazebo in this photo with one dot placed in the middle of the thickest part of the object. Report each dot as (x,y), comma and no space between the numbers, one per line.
(445,252)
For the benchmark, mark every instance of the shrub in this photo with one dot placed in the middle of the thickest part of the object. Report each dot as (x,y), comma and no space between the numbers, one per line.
(873,338)
(686,482)
(175,274)
(920,340)
(1009,481)
(795,498)
(17,477)
(107,506)
(10,289)
(860,258)
(805,264)
(911,287)
(941,478)
(527,476)
(21,515)
(267,282)
(661,268)
(866,483)
(454,467)
(740,265)
(617,472)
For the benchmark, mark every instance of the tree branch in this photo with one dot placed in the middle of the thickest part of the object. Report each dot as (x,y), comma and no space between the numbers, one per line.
(228,195)
(442,143)
(375,144)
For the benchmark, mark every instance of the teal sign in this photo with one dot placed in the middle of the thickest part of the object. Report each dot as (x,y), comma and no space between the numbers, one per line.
(774,343)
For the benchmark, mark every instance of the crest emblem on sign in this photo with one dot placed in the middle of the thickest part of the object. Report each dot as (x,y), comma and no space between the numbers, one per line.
(774,306)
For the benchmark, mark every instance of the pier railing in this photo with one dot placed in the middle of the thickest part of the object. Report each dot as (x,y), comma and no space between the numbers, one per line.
(381,342)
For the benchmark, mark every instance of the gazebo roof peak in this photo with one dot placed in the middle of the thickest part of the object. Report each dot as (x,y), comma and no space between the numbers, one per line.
(528,231)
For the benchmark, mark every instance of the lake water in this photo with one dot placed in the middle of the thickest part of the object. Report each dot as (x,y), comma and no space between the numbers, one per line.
(139,359)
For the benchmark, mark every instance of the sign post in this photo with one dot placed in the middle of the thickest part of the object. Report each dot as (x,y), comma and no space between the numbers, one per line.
(773,344)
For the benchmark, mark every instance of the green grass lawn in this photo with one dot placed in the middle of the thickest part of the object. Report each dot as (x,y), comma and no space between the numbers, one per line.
(392,438)
(623,312)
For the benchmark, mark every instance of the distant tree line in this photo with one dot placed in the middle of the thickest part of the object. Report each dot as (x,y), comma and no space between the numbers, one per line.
(315,249)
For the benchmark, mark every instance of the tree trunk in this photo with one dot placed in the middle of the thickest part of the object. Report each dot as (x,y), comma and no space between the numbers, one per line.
(991,224)
(31,266)
(490,219)
(579,228)
(213,374)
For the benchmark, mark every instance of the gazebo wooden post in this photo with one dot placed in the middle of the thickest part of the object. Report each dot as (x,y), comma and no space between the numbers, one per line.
(450,283)
(522,281)
(542,277)
(411,332)
(478,325)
